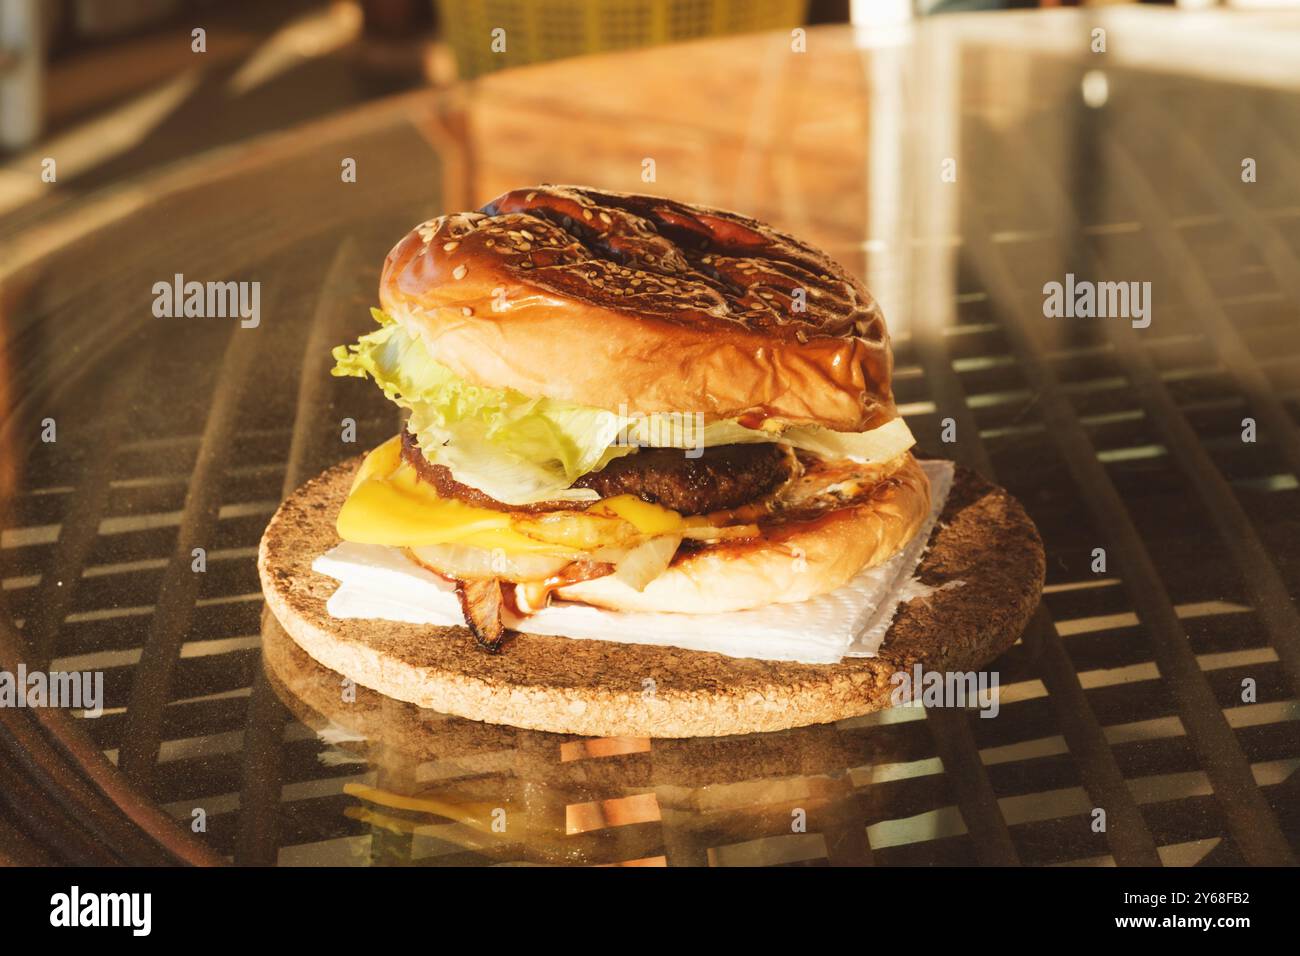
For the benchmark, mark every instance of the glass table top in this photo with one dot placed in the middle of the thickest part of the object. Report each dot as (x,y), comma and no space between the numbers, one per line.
(959,165)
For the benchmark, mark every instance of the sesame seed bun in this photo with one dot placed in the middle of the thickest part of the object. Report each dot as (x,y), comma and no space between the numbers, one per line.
(623,301)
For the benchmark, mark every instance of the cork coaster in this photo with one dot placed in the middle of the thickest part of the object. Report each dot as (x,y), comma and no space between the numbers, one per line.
(395,736)
(984,540)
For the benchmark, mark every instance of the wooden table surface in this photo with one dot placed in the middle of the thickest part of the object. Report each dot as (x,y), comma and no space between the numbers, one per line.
(958,165)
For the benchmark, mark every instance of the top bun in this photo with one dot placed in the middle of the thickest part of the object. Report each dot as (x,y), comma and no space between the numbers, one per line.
(641,304)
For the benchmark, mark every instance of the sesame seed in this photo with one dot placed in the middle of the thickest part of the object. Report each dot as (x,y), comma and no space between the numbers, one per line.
(530,197)
(466,310)
(526,234)
(449,246)
(604,217)
(459,272)
(491,243)
(586,214)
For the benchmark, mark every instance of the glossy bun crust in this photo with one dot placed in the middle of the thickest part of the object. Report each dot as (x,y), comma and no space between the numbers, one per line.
(625,301)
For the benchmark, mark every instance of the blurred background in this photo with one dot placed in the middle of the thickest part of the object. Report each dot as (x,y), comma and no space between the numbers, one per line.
(115,84)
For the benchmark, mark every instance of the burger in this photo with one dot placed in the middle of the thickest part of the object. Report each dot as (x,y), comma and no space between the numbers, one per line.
(631,403)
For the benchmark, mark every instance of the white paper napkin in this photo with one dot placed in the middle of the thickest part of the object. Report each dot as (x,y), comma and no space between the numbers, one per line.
(380,582)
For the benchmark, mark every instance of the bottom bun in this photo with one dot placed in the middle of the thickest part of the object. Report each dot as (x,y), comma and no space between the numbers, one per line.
(795,561)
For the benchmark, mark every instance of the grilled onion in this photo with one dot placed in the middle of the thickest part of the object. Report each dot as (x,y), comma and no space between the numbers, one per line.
(482,603)
(580,530)
(647,561)
(464,562)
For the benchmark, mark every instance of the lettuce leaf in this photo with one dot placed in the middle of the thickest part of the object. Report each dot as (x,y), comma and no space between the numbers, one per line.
(520,450)
(514,448)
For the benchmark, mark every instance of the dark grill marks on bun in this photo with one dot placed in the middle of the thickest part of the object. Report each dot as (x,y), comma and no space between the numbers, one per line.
(678,262)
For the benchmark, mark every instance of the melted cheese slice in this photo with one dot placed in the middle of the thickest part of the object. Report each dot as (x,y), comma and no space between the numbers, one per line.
(389,505)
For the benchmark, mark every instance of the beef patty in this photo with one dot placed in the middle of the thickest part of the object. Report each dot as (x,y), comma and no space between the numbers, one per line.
(724,477)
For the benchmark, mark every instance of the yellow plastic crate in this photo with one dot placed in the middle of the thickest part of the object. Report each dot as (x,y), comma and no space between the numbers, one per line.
(536,30)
